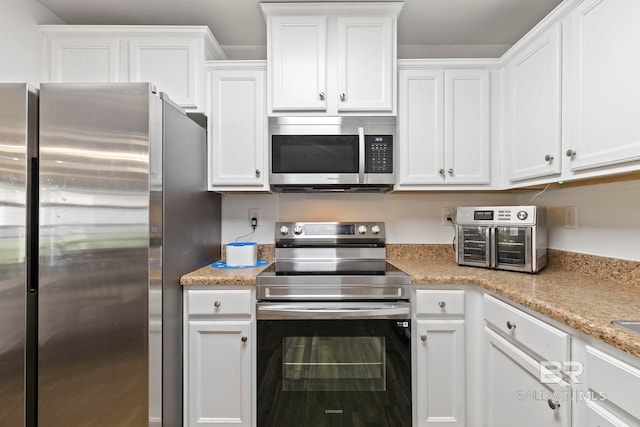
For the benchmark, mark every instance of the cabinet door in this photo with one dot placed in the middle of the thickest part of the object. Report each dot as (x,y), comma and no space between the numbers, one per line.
(237,130)
(440,373)
(421,127)
(514,394)
(467,122)
(298,62)
(172,65)
(219,374)
(365,63)
(534,140)
(84,59)
(603,95)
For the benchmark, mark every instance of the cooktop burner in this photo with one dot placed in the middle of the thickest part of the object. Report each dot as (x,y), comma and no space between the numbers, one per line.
(332,261)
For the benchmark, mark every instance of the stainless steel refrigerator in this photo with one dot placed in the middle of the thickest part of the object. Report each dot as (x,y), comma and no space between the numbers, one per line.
(103,207)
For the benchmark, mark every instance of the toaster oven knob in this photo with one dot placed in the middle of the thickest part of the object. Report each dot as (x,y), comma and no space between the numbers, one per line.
(375,229)
(284,230)
(362,229)
(297,230)
(522,215)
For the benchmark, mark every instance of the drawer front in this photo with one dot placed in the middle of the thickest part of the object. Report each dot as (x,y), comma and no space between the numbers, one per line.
(549,342)
(439,302)
(615,380)
(597,416)
(219,303)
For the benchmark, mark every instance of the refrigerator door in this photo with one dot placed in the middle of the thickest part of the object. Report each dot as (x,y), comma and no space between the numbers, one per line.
(94,254)
(18,131)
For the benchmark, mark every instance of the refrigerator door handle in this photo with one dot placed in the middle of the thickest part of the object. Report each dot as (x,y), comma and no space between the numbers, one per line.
(32,221)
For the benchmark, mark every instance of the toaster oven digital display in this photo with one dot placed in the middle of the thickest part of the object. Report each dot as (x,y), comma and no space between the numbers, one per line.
(483,215)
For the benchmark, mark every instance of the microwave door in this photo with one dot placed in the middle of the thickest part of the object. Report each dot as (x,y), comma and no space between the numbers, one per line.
(513,248)
(474,245)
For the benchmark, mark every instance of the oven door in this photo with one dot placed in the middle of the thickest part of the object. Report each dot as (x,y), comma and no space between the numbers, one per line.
(513,248)
(474,245)
(334,364)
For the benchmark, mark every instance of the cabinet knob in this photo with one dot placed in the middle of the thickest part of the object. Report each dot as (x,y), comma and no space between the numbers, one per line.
(423,337)
(343,96)
(442,304)
(450,171)
(510,325)
(553,404)
(571,153)
(216,304)
(441,171)
(548,157)
(258,173)
(322,95)
(243,339)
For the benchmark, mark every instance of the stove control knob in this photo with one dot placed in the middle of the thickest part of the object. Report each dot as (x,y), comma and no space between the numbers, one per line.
(362,229)
(375,229)
(284,230)
(297,230)
(522,215)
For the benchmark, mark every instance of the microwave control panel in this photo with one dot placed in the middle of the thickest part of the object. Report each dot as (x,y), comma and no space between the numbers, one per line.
(378,153)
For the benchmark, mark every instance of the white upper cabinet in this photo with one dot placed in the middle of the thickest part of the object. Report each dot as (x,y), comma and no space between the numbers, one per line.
(237,134)
(171,58)
(533,101)
(298,63)
(602,98)
(366,63)
(79,59)
(443,127)
(331,58)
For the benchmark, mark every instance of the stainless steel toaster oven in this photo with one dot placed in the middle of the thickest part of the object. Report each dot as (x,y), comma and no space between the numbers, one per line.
(503,237)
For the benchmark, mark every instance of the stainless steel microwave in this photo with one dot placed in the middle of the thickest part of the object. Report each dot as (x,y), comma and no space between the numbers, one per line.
(502,237)
(344,162)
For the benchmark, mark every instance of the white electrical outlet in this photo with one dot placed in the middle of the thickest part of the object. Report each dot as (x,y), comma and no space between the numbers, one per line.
(255,213)
(570,217)
(448,213)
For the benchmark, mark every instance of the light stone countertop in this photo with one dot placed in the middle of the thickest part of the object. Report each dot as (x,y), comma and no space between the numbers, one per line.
(585,302)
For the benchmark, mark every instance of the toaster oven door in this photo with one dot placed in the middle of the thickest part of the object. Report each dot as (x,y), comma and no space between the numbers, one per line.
(474,245)
(513,248)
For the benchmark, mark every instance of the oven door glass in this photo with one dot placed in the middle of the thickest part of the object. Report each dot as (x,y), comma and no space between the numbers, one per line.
(474,245)
(334,373)
(320,154)
(513,248)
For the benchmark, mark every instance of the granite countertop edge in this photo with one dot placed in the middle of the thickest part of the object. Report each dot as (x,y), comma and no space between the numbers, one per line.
(582,302)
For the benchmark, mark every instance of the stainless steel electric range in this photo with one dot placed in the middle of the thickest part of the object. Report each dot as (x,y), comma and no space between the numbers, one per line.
(334,329)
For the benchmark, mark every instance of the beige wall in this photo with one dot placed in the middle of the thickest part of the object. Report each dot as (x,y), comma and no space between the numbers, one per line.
(608,215)
(20,41)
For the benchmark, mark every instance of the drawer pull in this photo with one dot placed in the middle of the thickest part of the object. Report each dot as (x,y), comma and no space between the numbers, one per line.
(216,304)
(423,337)
(442,304)
(553,404)
(510,325)
(243,339)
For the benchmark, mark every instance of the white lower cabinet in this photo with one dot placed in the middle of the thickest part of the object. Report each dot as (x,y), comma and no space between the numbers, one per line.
(219,360)
(515,396)
(523,387)
(440,377)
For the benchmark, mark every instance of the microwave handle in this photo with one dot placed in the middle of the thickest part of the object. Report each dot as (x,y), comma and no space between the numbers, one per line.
(492,249)
(361,156)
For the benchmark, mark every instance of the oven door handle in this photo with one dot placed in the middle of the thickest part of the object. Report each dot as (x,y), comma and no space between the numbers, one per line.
(281,311)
